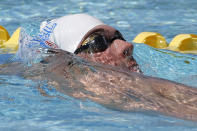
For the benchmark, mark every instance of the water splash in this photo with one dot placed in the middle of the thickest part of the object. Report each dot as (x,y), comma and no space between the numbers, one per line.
(29,52)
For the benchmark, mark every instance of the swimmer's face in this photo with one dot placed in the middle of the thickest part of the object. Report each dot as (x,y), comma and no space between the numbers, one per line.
(106,45)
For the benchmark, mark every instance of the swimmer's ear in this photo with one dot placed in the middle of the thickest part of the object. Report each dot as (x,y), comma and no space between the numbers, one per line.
(53,51)
(153,39)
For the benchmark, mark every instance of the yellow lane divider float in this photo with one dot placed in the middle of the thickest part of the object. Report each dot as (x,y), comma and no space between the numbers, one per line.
(7,42)
(153,39)
(184,43)
(4,36)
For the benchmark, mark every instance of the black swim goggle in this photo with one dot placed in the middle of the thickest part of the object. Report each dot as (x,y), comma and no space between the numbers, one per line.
(98,42)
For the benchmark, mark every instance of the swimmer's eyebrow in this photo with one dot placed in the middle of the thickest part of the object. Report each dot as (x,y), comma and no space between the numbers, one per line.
(117,35)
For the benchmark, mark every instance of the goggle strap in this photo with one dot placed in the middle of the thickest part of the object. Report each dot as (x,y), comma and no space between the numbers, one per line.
(82,48)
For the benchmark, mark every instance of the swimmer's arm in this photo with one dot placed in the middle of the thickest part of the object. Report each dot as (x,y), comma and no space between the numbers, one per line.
(173,99)
(111,87)
(121,90)
(136,92)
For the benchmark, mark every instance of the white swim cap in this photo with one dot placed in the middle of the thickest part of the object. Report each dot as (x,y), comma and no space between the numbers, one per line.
(70,30)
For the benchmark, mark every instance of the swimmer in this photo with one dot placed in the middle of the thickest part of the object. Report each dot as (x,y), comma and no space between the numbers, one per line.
(119,87)
(89,38)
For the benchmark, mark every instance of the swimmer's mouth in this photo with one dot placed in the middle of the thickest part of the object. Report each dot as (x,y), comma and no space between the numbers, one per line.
(135,69)
(126,63)
(132,65)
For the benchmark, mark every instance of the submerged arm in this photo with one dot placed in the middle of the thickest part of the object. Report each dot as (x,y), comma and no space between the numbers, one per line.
(135,92)
(121,89)
(111,86)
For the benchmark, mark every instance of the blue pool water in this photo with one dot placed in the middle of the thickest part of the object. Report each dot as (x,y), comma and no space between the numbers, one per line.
(22,107)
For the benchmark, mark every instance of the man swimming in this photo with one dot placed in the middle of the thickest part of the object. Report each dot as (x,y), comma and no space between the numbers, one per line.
(89,38)
(116,87)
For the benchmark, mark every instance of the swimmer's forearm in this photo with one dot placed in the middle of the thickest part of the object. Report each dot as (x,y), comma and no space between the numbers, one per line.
(140,93)
(173,99)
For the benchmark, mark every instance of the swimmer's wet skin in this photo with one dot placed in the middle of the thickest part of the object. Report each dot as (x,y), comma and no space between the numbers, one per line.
(119,88)
(110,86)
(91,39)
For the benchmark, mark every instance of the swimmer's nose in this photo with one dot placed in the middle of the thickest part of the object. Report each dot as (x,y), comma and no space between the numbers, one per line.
(121,48)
